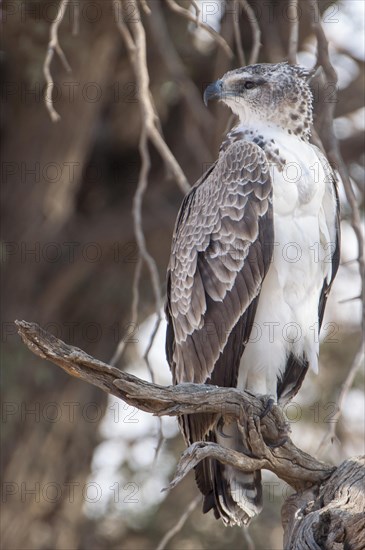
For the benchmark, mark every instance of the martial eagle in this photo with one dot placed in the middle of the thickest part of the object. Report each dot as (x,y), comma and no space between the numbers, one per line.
(254,254)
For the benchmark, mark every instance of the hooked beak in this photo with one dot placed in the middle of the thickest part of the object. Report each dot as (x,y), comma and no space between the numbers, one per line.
(213,91)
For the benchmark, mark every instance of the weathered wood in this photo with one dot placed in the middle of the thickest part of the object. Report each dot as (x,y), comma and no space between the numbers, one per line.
(328,509)
(291,464)
(331,517)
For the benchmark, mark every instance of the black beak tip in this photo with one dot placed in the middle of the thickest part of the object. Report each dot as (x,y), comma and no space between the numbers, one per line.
(213,91)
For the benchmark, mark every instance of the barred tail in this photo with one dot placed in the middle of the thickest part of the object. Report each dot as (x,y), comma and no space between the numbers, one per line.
(234,496)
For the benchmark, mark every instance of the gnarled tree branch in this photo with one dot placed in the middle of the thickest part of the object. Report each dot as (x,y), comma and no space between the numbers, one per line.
(328,506)
(289,462)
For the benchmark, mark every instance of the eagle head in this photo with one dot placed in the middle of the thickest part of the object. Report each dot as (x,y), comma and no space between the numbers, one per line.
(276,94)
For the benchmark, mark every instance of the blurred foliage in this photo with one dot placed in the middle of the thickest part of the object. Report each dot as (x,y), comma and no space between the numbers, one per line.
(82,293)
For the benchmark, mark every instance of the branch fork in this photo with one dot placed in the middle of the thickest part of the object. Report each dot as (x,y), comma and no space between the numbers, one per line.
(327,509)
(290,463)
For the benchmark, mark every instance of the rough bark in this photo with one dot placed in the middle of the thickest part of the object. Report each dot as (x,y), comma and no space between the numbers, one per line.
(328,508)
(331,516)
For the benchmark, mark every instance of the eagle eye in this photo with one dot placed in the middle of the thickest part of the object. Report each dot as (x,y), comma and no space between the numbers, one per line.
(248,85)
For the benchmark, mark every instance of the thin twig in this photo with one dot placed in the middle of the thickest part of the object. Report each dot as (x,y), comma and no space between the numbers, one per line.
(54,46)
(330,435)
(179,524)
(137,50)
(143,84)
(145,7)
(123,29)
(134,312)
(187,88)
(170,161)
(137,217)
(237,33)
(197,10)
(200,123)
(76,19)
(256,32)
(347,300)
(161,438)
(247,539)
(150,344)
(190,17)
(136,45)
(332,149)
(293,31)
(331,144)
(149,116)
(135,42)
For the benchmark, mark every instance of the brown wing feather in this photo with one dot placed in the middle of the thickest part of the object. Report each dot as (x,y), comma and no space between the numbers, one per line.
(221,251)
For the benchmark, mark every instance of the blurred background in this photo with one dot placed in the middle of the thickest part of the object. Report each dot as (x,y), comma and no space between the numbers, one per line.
(80,470)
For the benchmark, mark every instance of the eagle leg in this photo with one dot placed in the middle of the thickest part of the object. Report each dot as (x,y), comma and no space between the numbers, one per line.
(278,443)
(220,431)
(248,453)
(245,426)
(268,408)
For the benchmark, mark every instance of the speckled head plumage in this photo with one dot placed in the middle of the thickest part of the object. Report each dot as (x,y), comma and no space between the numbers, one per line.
(268,93)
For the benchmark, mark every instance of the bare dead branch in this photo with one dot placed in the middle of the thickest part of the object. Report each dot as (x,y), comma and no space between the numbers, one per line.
(247,539)
(150,344)
(195,19)
(134,313)
(200,450)
(169,159)
(330,141)
(330,435)
(256,32)
(293,31)
(289,462)
(179,524)
(331,145)
(200,122)
(196,8)
(329,503)
(123,29)
(137,217)
(140,64)
(347,300)
(152,375)
(136,45)
(145,7)
(191,94)
(76,19)
(237,33)
(54,46)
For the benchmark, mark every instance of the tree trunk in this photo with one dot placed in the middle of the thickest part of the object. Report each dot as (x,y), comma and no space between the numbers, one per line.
(330,517)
